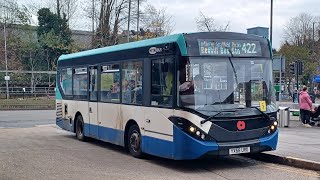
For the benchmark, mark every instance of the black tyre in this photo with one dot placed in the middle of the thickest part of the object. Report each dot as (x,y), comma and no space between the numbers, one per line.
(134,141)
(80,128)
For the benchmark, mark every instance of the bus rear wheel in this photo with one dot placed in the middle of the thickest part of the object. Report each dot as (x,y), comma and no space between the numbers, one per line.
(80,128)
(134,141)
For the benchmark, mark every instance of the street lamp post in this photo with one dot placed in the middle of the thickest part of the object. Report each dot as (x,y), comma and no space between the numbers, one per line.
(138,21)
(313,23)
(128,37)
(7,78)
(6,58)
(313,41)
(271,19)
(93,22)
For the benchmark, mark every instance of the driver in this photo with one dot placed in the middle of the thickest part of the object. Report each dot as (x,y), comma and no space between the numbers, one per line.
(194,86)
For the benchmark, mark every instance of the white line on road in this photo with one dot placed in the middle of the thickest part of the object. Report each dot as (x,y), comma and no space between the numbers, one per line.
(46,125)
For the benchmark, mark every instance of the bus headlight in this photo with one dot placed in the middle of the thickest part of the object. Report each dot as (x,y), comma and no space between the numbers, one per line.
(273,127)
(192,129)
(189,128)
(275,123)
(198,133)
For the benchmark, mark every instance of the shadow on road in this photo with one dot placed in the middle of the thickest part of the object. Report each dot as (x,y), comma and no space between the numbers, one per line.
(207,163)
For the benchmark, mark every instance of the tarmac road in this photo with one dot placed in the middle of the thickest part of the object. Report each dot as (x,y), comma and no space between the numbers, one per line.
(47,152)
(24,119)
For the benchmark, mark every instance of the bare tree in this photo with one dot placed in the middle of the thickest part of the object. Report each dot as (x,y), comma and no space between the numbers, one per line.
(207,23)
(109,18)
(298,30)
(69,8)
(157,21)
(13,13)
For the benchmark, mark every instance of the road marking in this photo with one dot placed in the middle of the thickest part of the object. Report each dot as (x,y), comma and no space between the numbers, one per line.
(297,171)
(45,125)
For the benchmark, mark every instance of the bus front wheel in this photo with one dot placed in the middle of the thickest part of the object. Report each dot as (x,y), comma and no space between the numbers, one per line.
(134,141)
(80,128)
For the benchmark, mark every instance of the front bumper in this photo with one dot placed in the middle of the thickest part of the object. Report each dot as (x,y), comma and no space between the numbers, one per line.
(186,147)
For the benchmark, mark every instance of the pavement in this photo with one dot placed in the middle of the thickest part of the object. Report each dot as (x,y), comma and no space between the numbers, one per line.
(298,146)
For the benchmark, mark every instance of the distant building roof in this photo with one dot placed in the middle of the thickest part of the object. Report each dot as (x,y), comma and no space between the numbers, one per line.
(258,27)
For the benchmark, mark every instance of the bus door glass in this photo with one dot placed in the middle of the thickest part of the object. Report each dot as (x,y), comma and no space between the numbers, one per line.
(93,104)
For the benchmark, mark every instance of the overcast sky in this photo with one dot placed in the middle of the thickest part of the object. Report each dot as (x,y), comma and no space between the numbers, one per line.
(242,14)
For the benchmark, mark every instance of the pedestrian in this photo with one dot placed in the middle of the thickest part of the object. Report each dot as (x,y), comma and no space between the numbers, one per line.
(305,105)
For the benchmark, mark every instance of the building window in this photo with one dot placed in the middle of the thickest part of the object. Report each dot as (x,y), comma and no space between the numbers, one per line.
(80,83)
(162,82)
(132,82)
(66,81)
(110,83)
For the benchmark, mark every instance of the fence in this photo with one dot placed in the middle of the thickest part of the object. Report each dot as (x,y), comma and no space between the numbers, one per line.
(27,92)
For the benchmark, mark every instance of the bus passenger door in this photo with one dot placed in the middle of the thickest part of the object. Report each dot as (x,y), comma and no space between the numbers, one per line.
(93,103)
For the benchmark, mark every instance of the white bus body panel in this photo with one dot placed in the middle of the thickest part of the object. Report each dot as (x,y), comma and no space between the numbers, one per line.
(93,120)
(157,124)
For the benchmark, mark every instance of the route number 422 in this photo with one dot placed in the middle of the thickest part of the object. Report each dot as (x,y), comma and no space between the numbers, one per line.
(249,48)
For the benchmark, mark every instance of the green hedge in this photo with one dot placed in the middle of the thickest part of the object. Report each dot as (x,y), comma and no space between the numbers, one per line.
(27,104)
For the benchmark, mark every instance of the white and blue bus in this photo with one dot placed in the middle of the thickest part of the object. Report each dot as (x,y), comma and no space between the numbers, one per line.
(180,97)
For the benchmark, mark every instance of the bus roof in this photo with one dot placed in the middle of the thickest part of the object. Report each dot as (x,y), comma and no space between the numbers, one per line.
(143,43)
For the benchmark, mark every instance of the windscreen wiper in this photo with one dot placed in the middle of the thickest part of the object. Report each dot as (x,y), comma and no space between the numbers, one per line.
(262,113)
(211,117)
(234,70)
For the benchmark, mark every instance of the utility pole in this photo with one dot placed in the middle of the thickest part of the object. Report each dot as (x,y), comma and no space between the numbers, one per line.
(313,39)
(7,78)
(271,19)
(138,22)
(128,37)
(296,66)
(313,36)
(92,22)
(280,78)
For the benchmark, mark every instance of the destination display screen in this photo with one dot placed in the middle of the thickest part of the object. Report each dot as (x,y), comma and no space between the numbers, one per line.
(222,47)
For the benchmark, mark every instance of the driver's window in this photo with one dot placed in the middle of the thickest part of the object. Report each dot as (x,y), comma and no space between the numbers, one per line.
(162,82)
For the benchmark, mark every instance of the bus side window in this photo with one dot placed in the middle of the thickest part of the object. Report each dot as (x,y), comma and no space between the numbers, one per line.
(66,81)
(162,82)
(132,82)
(110,82)
(80,83)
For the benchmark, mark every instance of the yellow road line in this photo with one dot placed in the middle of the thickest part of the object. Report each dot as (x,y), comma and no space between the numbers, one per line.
(297,171)
(283,168)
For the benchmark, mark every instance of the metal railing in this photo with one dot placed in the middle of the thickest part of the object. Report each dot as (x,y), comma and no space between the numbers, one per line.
(22,92)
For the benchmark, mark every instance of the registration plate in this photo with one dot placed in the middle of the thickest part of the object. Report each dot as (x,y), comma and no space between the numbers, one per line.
(239,150)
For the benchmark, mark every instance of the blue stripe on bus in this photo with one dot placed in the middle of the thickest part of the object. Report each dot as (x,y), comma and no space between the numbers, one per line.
(59,122)
(270,141)
(106,134)
(182,147)
(186,147)
(64,124)
(157,147)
